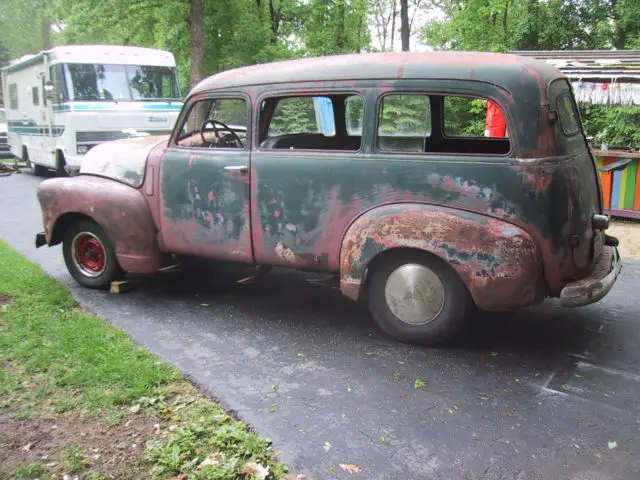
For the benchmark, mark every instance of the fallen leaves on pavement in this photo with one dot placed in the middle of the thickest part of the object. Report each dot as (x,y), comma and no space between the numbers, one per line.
(349,468)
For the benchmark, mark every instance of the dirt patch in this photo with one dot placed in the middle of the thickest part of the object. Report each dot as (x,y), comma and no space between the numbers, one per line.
(71,444)
(628,232)
(5,300)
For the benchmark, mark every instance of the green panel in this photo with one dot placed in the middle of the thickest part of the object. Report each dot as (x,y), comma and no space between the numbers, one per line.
(631,185)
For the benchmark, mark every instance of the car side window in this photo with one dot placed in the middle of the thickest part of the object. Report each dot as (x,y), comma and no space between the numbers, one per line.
(312,122)
(354,115)
(441,124)
(404,122)
(216,123)
(568,116)
(472,117)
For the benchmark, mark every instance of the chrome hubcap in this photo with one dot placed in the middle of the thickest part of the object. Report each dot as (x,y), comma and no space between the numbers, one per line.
(414,294)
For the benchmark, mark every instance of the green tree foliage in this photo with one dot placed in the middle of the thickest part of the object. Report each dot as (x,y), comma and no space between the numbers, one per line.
(21,25)
(615,125)
(294,115)
(501,25)
(464,117)
(334,26)
(405,115)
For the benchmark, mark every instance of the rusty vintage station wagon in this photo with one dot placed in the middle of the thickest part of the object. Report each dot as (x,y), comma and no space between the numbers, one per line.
(378,168)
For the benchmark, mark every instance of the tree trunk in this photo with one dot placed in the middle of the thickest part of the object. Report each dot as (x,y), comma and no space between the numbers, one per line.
(197,49)
(393,23)
(46,33)
(404,24)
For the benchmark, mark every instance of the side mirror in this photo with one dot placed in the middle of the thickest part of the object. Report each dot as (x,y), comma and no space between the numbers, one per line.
(48,89)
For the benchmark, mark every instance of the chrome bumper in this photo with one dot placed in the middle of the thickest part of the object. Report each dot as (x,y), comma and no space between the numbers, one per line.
(597,284)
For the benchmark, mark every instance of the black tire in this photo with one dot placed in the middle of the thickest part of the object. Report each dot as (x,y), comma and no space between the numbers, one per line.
(25,157)
(82,238)
(451,309)
(38,170)
(61,163)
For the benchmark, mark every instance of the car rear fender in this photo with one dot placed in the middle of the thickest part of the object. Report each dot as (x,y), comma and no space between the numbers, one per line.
(499,262)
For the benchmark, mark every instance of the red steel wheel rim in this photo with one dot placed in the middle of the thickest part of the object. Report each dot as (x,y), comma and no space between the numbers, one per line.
(89,254)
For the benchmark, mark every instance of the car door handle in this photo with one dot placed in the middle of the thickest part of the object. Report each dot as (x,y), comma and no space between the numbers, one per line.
(237,168)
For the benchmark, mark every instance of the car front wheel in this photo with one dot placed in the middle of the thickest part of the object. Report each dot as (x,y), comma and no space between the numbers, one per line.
(90,256)
(418,298)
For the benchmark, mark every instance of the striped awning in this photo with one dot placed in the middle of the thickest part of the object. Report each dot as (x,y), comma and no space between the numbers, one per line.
(597,76)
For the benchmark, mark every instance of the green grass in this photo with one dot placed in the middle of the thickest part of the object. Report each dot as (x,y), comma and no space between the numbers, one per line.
(57,359)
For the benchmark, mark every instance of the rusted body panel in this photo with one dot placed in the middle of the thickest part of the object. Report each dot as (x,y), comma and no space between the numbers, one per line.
(120,210)
(204,209)
(499,262)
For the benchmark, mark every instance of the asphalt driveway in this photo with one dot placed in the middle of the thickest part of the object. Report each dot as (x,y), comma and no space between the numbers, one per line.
(542,393)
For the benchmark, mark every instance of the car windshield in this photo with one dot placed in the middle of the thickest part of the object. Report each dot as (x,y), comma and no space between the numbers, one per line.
(120,82)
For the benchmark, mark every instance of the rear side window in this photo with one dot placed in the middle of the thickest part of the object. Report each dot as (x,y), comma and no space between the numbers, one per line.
(404,122)
(437,124)
(311,122)
(470,117)
(568,115)
(354,115)
(296,115)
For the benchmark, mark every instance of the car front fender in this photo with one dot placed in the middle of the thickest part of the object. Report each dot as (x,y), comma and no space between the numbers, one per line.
(122,211)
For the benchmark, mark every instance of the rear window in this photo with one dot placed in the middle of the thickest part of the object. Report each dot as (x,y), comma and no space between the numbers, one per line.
(568,115)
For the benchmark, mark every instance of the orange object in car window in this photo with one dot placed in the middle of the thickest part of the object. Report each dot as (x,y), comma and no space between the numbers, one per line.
(495,124)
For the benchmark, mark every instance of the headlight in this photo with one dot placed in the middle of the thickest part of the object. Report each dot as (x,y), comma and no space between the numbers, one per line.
(82,149)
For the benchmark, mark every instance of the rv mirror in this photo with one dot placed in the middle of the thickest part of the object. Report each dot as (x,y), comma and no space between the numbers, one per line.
(48,88)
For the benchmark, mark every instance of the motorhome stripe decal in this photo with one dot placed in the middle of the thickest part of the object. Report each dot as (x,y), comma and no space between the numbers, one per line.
(94,108)
(30,127)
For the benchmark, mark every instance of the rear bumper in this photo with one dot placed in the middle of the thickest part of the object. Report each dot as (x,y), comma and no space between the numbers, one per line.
(596,285)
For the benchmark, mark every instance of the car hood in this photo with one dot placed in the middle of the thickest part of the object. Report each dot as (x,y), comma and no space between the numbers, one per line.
(123,160)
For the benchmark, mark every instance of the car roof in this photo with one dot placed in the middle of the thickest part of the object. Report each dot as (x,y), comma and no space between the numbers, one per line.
(505,70)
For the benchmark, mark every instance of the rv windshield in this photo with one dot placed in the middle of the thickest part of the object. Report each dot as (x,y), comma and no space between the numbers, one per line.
(120,82)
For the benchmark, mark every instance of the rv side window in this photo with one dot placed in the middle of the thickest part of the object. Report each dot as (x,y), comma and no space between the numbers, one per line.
(35,96)
(13,96)
(57,79)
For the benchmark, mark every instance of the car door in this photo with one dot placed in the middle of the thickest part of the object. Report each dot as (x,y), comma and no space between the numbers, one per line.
(205,181)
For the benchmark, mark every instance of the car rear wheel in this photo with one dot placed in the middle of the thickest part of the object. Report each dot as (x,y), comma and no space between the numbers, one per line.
(90,256)
(417,298)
